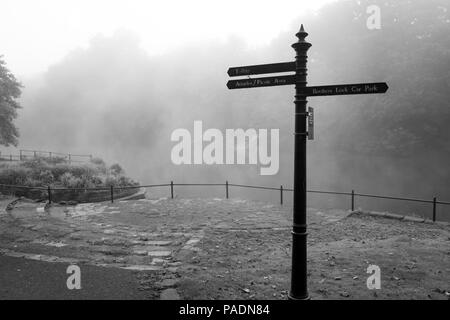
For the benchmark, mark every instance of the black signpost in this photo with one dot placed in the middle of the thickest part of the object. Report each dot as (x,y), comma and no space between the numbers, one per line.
(299,288)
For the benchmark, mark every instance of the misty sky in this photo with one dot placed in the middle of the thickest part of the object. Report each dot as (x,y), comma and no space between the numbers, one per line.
(36,34)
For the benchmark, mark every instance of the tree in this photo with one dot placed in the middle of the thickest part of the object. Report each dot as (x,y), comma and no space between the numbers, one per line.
(9,92)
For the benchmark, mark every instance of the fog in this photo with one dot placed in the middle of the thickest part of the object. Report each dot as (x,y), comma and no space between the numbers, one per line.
(115,101)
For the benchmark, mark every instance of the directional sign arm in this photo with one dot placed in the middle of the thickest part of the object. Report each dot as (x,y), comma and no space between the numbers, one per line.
(347,89)
(332,90)
(261,82)
(261,69)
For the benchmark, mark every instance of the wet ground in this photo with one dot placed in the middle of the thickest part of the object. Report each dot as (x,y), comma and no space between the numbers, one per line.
(220,249)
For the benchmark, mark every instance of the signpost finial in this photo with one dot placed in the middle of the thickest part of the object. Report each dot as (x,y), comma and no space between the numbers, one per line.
(301,44)
(302,34)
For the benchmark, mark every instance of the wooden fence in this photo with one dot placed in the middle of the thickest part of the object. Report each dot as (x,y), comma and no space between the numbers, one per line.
(33,154)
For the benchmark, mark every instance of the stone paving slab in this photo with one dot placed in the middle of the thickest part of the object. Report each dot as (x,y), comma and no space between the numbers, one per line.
(128,234)
(413,219)
(394,216)
(170,294)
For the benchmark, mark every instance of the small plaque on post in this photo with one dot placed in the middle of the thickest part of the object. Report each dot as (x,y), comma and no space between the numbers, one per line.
(310,123)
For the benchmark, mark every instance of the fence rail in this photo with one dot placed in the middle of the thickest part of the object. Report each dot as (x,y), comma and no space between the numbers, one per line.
(227,186)
(25,154)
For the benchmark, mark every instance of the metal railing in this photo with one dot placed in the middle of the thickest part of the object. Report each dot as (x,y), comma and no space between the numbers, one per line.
(33,154)
(227,186)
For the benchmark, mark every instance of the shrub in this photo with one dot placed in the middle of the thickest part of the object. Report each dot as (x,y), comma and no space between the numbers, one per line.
(98,162)
(79,170)
(86,182)
(99,165)
(59,170)
(55,160)
(46,177)
(97,180)
(40,172)
(14,175)
(116,169)
(125,181)
(30,182)
(34,164)
(67,180)
(110,181)
(76,170)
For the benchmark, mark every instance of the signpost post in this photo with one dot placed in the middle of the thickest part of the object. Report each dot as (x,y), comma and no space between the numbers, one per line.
(299,288)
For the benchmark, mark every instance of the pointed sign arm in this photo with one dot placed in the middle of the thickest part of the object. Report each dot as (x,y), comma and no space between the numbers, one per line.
(261,69)
(346,89)
(261,82)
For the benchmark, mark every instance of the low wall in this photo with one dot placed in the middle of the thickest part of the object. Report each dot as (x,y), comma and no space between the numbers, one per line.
(24,192)
(90,195)
(69,195)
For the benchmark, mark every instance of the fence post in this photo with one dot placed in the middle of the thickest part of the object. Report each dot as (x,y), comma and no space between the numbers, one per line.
(171,189)
(10,157)
(70,158)
(281,194)
(226,188)
(49,190)
(20,155)
(353,200)
(112,194)
(434,209)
